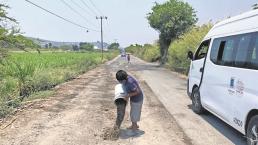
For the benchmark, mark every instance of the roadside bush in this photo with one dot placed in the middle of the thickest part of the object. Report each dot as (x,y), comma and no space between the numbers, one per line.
(177,59)
(146,52)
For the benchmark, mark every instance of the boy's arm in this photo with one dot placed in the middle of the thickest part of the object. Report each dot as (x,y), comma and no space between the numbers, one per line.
(134,93)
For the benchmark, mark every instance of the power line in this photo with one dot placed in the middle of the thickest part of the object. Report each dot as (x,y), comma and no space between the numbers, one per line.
(75,3)
(75,11)
(95,7)
(67,20)
(89,7)
(108,25)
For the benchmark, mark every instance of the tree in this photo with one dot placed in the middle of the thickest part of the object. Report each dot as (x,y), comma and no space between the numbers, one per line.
(171,19)
(86,46)
(10,36)
(46,45)
(75,48)
(114,46)
(50,45)
(22,42)
(5,36)
(3,14)
(255,6)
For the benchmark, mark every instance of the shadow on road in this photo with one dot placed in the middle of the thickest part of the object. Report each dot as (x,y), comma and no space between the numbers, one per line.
(229,132)
(128,133)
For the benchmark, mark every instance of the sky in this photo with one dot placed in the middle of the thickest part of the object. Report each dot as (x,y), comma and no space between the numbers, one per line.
(126,23)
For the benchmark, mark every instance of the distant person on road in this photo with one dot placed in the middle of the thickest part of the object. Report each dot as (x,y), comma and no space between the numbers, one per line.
(134,93)
(128,58)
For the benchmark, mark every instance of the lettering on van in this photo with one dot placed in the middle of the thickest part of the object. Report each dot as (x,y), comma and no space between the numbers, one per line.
(236,87)
(238,122)
(240,88)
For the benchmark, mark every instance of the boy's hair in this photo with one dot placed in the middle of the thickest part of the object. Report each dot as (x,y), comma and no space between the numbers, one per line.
(121,75)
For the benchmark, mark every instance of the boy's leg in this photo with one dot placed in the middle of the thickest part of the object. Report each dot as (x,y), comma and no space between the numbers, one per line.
(135,114)
(134,126)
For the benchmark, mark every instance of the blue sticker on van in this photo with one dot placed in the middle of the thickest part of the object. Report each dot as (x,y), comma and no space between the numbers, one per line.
(231,89)
(232,82)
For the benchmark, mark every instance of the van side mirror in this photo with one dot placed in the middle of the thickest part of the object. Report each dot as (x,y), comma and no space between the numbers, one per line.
(190,55)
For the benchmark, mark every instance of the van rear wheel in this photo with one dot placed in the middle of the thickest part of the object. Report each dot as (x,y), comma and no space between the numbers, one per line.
(196,101)
(252,131)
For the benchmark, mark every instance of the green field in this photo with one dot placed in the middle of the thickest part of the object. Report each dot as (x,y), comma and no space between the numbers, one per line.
(24,75)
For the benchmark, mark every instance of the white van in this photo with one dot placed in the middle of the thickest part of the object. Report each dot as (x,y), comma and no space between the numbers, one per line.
(223,76)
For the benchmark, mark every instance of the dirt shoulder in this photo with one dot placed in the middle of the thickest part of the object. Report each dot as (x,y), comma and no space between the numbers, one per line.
(82,111)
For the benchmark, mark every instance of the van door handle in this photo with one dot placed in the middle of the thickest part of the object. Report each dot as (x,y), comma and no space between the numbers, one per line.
(201,69)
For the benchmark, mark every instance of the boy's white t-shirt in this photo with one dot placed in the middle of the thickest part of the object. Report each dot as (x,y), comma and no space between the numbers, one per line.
(119,91)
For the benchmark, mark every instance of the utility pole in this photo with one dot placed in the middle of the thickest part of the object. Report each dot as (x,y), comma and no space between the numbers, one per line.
(101,18)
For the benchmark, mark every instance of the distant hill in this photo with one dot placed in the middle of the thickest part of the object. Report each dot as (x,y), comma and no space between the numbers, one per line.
(43,42)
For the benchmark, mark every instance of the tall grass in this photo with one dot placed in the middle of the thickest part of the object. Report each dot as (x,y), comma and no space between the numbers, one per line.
(177,58)
(22,74)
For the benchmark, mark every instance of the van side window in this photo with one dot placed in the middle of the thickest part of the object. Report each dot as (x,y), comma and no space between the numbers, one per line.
(243,51)
(222,51)
(202,50)
(253,62)
(236,51)
(214,50)
(227,54)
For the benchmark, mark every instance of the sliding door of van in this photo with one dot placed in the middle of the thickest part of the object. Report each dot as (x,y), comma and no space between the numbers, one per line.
(217,76)
(196,68)
(243,85)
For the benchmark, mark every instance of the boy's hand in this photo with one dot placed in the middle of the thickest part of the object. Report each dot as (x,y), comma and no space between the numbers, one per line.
(127,97)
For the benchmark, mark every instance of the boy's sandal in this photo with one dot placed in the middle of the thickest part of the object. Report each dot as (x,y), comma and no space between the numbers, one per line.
(131,127)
